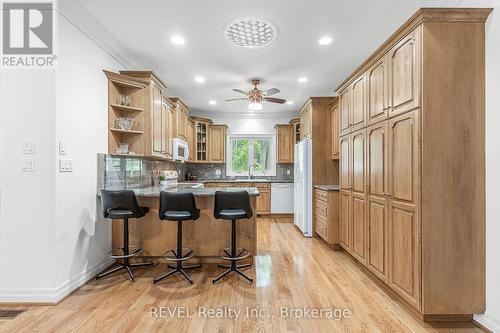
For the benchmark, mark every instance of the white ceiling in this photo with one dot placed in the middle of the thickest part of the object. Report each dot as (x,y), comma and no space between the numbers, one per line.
(144,28)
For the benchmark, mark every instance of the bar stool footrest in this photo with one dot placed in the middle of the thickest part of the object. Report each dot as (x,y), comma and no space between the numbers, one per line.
(133,251)
(241,253)
(186,254)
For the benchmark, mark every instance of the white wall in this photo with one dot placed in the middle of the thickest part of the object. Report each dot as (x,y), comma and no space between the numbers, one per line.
(81,235)
(27,104)
(52,238)
(491,318)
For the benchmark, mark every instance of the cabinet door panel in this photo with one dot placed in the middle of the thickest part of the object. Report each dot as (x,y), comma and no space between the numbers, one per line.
(285,146)
(377,159)
(358,228)
(345,220)
(335,132)
(345,111)
(358,161)
(157,119)
(377,238)
(264,202)
(404,254)
(405,74)
(404,151)
(358,103)
(377,92)
(345,159)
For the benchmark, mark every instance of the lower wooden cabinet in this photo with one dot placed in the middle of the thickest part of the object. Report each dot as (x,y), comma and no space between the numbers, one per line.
(264,199)
(358,210)
(345,224)
(326,215)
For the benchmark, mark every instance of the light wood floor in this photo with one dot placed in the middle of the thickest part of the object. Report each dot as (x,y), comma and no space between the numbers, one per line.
(290,272)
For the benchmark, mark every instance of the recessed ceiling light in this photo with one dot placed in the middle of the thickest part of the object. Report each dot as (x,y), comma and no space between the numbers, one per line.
(302,79)
(199,79)
(255,106)
(325,40)
(212,102)
(289,102)
(251,32)
(177,40)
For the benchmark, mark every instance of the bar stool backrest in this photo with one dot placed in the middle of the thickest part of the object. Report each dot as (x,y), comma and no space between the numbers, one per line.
(232,200)
(172,201)
(121,199)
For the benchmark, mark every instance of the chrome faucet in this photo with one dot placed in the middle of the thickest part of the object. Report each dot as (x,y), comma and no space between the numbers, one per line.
(249,174)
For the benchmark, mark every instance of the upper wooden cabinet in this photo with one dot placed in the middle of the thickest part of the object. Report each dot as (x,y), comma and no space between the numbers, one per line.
(335,130)
(405,73)
(285,142)
(295,123)
(169,126)
(345,111)
(181,114)
(358,109)
(217,151)
(412,163)
(202,139)
(306,121)
(378,91)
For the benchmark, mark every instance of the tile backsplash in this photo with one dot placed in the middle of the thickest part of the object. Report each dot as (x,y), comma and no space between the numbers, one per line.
(208,171)
(125,172)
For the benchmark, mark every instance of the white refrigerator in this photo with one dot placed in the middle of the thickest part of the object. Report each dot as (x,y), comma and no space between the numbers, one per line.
(303,187)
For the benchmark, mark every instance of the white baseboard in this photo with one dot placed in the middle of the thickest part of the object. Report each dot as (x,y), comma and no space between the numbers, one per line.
(490,322)
(47,295)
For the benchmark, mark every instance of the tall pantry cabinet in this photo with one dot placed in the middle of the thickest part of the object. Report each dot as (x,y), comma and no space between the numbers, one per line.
(412,198)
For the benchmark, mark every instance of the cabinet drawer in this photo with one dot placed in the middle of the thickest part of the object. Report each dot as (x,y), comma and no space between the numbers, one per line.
(263,186)
(320,194)
(321,209)
(321,227)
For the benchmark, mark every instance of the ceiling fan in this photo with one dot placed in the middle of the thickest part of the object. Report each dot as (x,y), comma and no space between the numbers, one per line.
(256,96)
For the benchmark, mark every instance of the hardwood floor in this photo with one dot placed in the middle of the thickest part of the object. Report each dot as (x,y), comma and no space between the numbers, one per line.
(290,272)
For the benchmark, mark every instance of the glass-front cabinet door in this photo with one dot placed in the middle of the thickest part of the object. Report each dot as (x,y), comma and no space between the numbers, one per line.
(201,141)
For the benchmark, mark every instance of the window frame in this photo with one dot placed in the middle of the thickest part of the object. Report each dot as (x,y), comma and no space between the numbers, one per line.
(229,152)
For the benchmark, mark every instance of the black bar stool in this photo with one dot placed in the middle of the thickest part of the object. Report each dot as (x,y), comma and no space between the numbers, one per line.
(122,205)
(233,206)
(178,207)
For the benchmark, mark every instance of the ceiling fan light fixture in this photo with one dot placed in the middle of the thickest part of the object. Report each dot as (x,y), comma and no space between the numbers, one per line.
(255,106)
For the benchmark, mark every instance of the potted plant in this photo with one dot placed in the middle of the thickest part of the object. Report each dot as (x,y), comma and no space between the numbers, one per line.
(163,181)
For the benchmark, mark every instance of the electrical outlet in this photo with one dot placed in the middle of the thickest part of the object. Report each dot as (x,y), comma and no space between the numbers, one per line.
(218,172)
(62,148)
(65,165)
(287,171)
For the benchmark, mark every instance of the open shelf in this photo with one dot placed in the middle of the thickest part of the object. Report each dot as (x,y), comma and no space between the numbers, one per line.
(117,130)
(128,85)
(126,108)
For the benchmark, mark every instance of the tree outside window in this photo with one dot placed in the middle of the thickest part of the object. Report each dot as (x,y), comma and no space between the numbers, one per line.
(254,153)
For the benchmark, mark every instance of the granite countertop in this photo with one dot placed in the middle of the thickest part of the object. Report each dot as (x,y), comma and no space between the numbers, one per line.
(240,181)
(328,187)
(154,191)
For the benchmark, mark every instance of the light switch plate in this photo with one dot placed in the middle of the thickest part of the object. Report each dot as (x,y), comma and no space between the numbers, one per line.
(28,165)
(217,172)
(28,147)
(62,148)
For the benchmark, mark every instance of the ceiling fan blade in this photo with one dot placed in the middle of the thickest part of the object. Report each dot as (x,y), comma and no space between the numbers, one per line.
(241,91)
(272,91)
(236,99)
(275,100)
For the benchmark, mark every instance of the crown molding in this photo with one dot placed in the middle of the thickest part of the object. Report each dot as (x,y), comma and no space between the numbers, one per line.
(72,11)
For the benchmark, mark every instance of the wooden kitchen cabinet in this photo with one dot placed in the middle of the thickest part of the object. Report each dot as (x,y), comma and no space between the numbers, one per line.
(217,143)
(406,167)
(202,139)
(306,120)
(335,131)
(326,215)
(181,115)
(345,111)
(264,199)
(168,135)
(378,91)
(285,138)
(358,109)
(191,139)
(295,123)
(377,209)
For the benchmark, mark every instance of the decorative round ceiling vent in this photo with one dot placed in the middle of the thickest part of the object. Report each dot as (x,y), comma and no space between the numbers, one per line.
(251,32)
